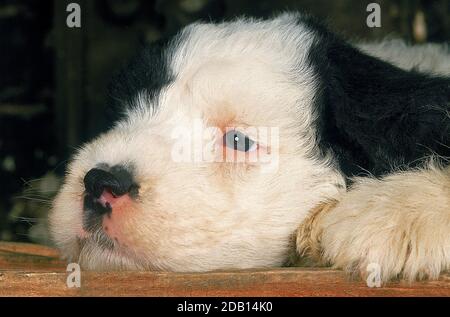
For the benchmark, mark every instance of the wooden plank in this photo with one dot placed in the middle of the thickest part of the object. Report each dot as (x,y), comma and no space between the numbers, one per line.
(30,270)
(29,257)
(278,282)
(28,249)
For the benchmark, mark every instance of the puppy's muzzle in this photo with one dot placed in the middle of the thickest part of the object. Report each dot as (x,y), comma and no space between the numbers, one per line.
(103,187)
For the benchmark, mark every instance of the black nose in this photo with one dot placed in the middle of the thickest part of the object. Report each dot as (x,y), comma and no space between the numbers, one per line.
(117,179)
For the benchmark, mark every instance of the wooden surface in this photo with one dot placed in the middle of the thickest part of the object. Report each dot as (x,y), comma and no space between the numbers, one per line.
(31,270)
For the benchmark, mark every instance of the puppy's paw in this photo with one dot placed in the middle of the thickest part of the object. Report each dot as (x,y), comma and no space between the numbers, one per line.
(399,226)
(309,233)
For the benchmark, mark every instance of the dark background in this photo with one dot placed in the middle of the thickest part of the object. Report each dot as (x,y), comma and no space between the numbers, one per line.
(53,79)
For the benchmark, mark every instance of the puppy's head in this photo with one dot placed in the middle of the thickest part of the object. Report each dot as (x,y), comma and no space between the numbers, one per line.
(213,164)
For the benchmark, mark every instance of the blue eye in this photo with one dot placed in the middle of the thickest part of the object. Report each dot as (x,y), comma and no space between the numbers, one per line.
(238,141)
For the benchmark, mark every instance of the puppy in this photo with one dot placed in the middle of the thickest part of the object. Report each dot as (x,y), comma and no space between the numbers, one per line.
(234,137)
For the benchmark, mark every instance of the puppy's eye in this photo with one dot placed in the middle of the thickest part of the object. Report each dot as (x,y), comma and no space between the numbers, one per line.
(238,141)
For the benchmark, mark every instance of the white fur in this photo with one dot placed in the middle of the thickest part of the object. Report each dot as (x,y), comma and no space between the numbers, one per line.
(194,216)
(428,58)
(400,223)
(206,216)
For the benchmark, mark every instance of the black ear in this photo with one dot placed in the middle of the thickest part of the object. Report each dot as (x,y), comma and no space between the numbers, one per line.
(145,74)
(373,116)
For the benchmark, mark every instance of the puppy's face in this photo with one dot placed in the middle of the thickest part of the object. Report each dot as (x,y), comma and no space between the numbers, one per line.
(210,170)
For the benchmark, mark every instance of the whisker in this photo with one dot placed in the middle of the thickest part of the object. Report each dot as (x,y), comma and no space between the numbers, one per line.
(50,191)
(36,196)
(31,181)
(40,200)
(28,219)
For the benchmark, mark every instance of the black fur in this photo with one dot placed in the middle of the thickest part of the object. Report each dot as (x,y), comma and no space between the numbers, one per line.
(146,73)
(118,179)
(373,116)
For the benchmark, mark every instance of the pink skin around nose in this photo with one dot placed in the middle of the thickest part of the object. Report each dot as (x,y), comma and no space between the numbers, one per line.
(107,198)
(112,222)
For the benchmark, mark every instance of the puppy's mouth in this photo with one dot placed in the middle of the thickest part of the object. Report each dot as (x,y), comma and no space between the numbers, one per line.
(102,215)
(114,256)
(99,238)
(94,210)
(98,219)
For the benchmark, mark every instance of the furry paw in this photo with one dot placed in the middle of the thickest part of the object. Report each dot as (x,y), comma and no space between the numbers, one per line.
(399,225)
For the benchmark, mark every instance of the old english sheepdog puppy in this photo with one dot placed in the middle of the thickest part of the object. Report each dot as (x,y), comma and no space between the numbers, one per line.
(242,142)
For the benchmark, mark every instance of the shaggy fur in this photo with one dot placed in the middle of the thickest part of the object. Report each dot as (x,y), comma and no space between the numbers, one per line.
(335,112)
(401,223)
